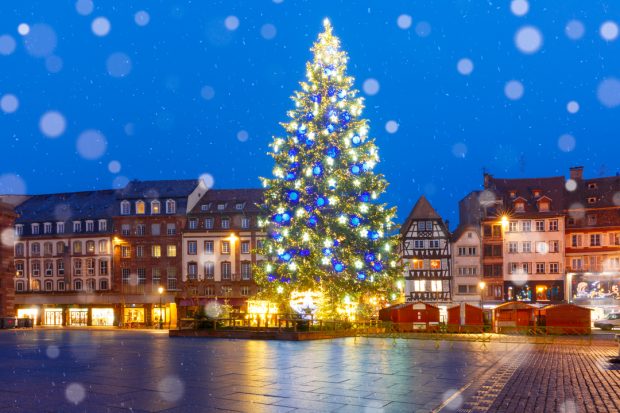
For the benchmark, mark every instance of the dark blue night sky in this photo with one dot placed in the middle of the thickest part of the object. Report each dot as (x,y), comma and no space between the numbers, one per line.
(172,89)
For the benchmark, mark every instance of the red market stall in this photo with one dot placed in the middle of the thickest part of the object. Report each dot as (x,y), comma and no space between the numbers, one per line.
(465,318)
(514,316)
(567,319)
(416,316)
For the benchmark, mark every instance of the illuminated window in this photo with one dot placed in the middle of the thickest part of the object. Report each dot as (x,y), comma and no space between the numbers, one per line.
(172,251)
(435,264)
(155,207)
(103,247)
(140,207)
(417,264)
(519,206)
(77,247)
(419,285)
(19,269)
(156,251)
(543,206)
(90,247)
(436,285)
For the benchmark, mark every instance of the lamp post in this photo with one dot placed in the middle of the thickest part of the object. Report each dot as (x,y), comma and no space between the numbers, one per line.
(161,292)
(482,286)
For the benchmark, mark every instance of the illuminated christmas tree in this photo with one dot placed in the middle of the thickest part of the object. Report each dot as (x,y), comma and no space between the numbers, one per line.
(326,229)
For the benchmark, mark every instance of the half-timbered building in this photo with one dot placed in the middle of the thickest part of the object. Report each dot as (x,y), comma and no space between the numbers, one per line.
(425,251)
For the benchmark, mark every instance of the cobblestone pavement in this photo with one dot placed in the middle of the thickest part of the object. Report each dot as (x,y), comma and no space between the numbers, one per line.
(121,371)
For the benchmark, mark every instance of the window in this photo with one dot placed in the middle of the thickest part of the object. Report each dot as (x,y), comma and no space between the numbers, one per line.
(520,206)
(245,223)
(90,247)
(103,267)
(209,290)
(156,251)
(225,223)
(140,208)
(542,247)
(35,229)
(103,284)
(239,206)
(192,247)
(208,245)
(221,207)
(171,207)
(156,275)
(595,240)
(19,229)
(60,268)
(554,246)
(419,285)
(193,223)
(205,207)
(259,244)
(225,247)
(125,251)
(591,219)
(614,238)
(570,221)
(126,229)
(171,229)
(103,225)
(47,228)
(60,227)
(192,270)
(433,243)
(543,206)
(576,240)
(226,270)
(90,267)
(155,229)
(49,268)
(435,264)
(226,290)
(77,226)
(592,200)
(139,251)
(141,279)
(553,225)
(77,267)
(513,226)
(540,226)
(35,248)
(527,246)
(60,248)
(577,264)
(125,208)
(126,276)
(417,264)
(19,286)
(468,289)
(77,285)
(172,278)
(19,269)
(497,230)
(208,223)
(171,250)
(19,250)
(245,247)
(246,270)
(527,268)
(60,286)
(436,285)
(527,226)
(513,247)
(103,247)
(245,290)
(418,243)
(209,270)
(90,226)
(47,248)
(140,230)
(467,271)
(554,267)
(155,207)
(77,247)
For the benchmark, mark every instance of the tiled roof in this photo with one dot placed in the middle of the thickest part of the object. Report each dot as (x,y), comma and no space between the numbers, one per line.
(601,190)
(67,207)
(421,210)
(552,187)
(249,197)
(161,190)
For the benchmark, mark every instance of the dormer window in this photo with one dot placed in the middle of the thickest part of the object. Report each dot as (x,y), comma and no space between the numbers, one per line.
(103,225)
(155,207)
(592,185)
(221,207)
(90,226)
(205,207)
(77,226)
(239,205)
(60,228)
(536,193)
(125,208)
(543,206)
(47,228)
(19,229)
(592,200)
(35,229)
(140,207)
(513,194)
(171,207)
(519,206)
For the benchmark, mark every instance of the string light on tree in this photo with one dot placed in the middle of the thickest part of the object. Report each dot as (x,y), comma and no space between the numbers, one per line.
(324,193)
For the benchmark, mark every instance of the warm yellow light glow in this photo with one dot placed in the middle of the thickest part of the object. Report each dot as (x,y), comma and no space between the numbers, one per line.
(305,302)
(482,284)
(280,289)
(160,290)
(261,308)
(504,221)
(233,238)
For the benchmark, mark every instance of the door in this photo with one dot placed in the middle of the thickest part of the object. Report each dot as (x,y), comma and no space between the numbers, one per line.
(78,317)
(53,318)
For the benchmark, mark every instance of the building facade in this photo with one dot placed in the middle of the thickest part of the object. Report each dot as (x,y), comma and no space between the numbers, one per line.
(7,267)
(466,265)
(593,241)
(219,243)
(425,251)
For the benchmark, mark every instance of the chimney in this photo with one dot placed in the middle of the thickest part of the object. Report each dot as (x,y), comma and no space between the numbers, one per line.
(576,173)
(487,179)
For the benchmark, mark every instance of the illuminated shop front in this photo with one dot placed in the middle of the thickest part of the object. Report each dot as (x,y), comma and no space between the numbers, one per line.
(102,316)
(133,315)
(163,314)
(32,313)
(599,290)
(535,291)
(78,316)
(53,317)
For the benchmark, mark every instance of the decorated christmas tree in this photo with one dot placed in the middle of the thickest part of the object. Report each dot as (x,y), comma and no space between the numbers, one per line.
(327,232)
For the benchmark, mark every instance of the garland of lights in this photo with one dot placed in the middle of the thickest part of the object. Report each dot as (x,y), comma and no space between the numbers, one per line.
(326,230)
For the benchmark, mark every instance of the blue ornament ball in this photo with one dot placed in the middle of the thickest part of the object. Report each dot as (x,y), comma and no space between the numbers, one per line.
(338,266)
(354,221)
(361,276)
(321,201)
(312,221)
(317,170)
(355,169)
(356,140)
(364,197)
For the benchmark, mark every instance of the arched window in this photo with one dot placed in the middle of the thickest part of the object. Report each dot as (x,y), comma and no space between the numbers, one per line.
(103,247)
(171,206)
(49,285)
(140,207)
(77,247)
(77,285)
(19,250)
(36,285)
(125,208)
(103,284)
(91,285)
(90,247)
(35,248)
(19,286)
(60,247)
(155,207)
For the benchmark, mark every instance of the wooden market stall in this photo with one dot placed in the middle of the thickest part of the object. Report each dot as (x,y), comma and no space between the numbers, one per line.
(465,318)
(514,316)
(566,319)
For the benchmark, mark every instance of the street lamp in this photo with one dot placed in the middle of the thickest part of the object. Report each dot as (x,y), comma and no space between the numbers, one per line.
(161,292)
(482,285)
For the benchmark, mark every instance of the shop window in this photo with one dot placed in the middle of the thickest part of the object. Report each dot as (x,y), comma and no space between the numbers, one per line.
(541,293)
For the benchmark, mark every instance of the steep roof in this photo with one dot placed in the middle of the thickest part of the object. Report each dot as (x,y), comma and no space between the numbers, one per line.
(606,190)
(422,210)
(67,206)
(172,188)
(249,197)
(550,187)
